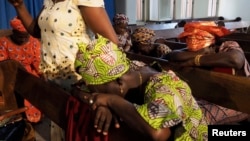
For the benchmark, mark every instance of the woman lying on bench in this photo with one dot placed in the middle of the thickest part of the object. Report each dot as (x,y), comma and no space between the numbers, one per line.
(168,101)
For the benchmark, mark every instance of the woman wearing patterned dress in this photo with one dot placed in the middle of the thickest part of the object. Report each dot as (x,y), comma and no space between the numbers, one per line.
(60,25)
(25,49)
(168,101)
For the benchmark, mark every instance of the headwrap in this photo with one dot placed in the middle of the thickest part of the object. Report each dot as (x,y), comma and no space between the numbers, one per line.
(143,35)
(120,18)
(101,61)
(16,24)
(201,34)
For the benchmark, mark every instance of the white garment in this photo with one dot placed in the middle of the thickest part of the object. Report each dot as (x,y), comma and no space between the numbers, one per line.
(62,28)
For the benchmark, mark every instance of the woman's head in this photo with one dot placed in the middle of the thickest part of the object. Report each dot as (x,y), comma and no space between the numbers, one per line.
(20,35)
(101,62)
(120,19)
(201,34)
(120,23)
(142,39)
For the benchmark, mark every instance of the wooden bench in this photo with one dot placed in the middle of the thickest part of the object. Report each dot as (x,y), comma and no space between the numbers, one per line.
(167,31)
(242,38)
(211,18)
(5,32)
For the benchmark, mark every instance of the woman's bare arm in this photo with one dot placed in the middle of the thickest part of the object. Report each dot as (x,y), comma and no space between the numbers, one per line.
(97,19)
(23,14)
(232,58)
(127,112)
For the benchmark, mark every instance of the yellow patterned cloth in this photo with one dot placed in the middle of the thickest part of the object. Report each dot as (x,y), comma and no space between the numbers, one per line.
(168,101)
(100,61)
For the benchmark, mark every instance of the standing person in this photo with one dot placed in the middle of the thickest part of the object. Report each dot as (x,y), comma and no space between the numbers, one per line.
(168,101)
(62,24)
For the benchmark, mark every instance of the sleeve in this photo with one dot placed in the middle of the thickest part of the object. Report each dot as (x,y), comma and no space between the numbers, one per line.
(37,58)
(3,49)
(90,3)
(232,45)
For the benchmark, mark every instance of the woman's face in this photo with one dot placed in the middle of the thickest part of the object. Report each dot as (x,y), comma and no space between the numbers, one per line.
(20,37)
(121,28)
(145,48)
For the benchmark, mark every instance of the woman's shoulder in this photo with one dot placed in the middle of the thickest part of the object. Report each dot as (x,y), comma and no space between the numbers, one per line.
(91,3)
(4,40)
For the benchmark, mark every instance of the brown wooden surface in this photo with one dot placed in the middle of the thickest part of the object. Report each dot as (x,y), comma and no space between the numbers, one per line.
(5,32)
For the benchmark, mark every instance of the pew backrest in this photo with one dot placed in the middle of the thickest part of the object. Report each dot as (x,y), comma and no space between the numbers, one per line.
(5,32)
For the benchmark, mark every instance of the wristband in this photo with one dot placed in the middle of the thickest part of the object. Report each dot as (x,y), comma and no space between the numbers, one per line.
(197,60)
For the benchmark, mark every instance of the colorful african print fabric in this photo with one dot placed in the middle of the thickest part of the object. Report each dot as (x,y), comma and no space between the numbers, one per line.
(100,61)
(27,54)
(168,102)
(143,35)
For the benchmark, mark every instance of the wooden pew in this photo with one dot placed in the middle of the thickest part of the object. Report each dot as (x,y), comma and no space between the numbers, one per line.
(238,26)
(211,18)
(155,26)
(5,32)
(168,34)
(242,38)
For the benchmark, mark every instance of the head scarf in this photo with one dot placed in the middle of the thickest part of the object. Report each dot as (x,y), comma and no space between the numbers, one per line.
(16,24)
(143,35)
(101,61)
(120,18)
(201,34)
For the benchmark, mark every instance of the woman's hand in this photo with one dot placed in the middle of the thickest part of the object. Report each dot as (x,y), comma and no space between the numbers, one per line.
(103,119)
(101,99)
(16,3)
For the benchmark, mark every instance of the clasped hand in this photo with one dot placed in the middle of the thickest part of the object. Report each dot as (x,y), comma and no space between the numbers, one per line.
(103,115)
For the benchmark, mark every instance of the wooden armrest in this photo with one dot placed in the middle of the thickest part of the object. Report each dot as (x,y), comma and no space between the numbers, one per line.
(12,113)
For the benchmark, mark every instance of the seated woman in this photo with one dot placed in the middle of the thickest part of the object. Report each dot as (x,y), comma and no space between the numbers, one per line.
(203,51)
(168,101)
(142,39)
(25,49)
(123,31)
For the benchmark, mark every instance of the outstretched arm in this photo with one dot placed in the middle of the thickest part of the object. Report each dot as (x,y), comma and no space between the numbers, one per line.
(29,23)
(126,110)
(232,58)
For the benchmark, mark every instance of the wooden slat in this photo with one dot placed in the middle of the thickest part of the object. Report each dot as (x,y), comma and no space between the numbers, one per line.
(237,25)
(48,97)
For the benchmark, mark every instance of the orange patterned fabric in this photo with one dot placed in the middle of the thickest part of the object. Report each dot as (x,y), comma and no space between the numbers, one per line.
(17,25)
(199,34)
(28,55)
